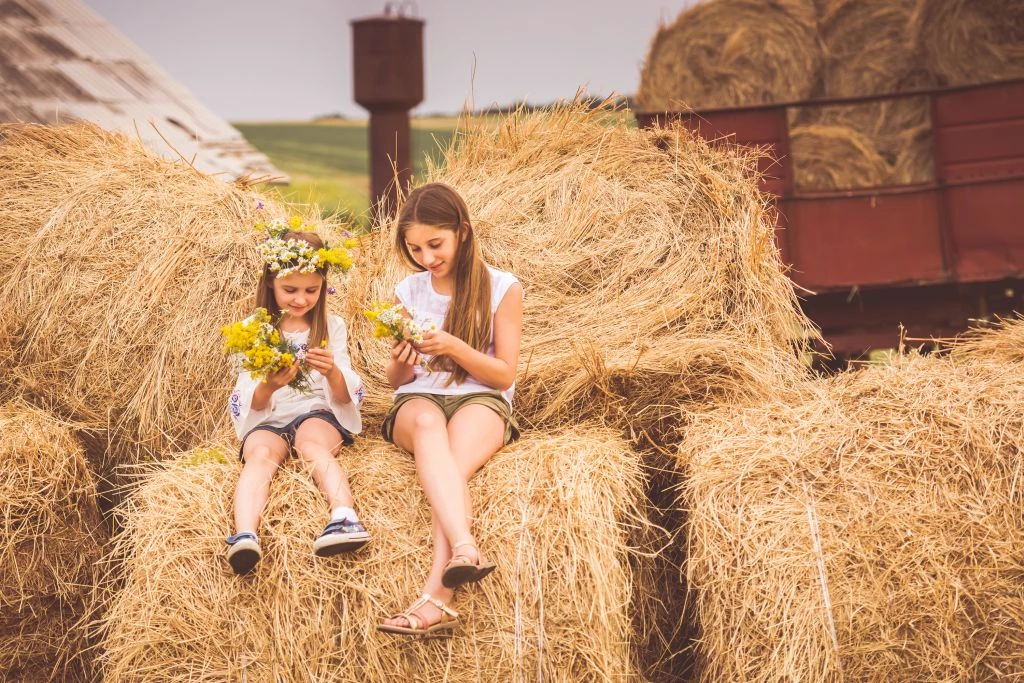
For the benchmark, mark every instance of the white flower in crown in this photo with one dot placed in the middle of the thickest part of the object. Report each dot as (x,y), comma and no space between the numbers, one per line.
(284,257)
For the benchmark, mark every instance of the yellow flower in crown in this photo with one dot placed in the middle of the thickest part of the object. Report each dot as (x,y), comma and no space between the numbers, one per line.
(286,256)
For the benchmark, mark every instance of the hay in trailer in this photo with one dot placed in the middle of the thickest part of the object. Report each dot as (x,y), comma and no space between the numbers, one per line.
(887,142)
(970,41)
(729,53)
(867,527)
(555,511)
(50,539)
(816,153)
(121,268)
(651,276)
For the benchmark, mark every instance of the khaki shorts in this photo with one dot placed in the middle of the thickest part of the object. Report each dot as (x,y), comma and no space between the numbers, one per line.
(450,405)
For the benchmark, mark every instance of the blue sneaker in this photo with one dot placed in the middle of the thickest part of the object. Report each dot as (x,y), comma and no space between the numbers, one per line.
(340,536)
(243,552)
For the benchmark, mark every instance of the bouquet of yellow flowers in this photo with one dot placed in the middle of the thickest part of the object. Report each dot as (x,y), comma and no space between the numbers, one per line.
(257,346)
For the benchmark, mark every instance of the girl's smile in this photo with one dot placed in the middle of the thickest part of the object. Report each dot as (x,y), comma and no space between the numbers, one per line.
(432,248)
(296,294)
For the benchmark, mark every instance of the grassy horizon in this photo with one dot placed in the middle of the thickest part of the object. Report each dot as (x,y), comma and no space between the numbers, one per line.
(328,159)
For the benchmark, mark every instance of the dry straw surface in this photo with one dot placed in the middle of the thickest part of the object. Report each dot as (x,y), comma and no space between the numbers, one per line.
(555,511)
(724,53)
(652,281)
(50,539)
(865,527)
(120,269)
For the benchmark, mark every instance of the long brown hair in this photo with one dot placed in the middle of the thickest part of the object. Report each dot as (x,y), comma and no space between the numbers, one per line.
(469,313)
(265,293)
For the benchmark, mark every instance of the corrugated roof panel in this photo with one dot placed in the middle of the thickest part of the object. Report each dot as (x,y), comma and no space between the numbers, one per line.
(18,48)
(66,36)
(18,12)
(136,81)
(59,61)
(50,47)
(67,11)
(106,41)
(53,83)
(97,81)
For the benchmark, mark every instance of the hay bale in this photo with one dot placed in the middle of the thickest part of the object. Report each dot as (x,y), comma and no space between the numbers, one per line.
(870,48)
(50,539)
(121,269)
(729,53)
(971,41)
(648,260)
(862,145)
(867,527)
(834,158)
(554,511)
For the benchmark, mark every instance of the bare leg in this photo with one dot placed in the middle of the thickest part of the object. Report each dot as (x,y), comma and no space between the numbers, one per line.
(420,429)
(317,442)
(475,433)
(262,454)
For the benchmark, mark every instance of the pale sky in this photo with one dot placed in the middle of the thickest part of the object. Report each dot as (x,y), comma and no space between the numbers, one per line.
(270,60)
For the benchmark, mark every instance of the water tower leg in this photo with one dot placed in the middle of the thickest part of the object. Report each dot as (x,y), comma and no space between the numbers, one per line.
(390,159)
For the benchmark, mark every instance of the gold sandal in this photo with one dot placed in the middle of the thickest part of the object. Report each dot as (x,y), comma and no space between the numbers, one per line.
(460,569)
(449,619)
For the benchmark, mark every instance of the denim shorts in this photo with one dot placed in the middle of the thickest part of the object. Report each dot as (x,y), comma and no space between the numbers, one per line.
(288,431)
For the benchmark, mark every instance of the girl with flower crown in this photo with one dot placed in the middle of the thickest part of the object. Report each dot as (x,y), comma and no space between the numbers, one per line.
(273,418)
(453,414)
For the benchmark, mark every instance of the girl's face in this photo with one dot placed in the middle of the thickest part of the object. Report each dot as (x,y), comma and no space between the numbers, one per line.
(297,293)
(433,248)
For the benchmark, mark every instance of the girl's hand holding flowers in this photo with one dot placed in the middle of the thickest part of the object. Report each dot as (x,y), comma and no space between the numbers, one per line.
(404,352)
(257,347)
(437,343)
(320,360)
(394,322)
(283,377)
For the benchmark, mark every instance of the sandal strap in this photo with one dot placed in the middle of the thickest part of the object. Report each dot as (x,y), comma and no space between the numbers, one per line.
(460,544)
(445,609)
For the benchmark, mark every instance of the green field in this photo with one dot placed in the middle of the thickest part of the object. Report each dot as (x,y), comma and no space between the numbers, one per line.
(328,161)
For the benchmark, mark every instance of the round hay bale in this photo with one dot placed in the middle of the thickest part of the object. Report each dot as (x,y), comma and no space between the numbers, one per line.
(728,53)
(554,511)
(121,269)
(835,158)
(870,48)
(651,276)
(867,527)
(971,41)
(50,540)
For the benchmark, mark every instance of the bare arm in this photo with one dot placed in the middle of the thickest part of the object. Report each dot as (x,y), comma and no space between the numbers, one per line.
(498,372)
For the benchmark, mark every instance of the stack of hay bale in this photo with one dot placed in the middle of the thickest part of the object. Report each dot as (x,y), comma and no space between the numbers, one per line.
(794,50)
(51,537)
(653,287)
(865,527)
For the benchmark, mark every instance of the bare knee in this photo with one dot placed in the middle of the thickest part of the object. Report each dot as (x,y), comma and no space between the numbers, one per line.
(311,450)
(261,458)
(426,422)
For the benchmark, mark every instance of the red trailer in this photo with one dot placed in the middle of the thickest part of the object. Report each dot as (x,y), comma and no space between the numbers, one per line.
(931,257)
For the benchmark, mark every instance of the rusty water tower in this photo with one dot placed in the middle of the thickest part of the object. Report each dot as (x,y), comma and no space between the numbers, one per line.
(388,64)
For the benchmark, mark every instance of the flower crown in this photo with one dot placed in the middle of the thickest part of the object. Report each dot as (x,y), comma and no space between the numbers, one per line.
(284,257)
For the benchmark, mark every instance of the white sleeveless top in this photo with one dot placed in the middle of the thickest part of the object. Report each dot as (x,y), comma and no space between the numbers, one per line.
(416,293)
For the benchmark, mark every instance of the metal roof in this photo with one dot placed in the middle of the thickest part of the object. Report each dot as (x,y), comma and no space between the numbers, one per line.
(59,60)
